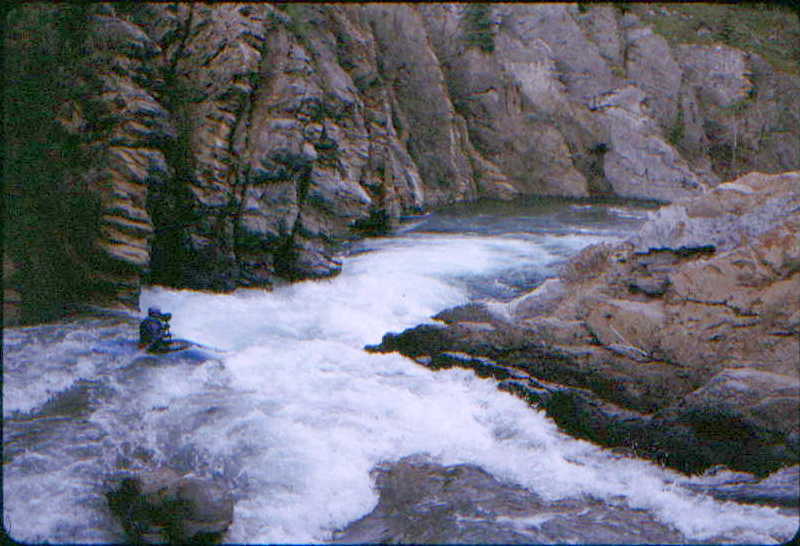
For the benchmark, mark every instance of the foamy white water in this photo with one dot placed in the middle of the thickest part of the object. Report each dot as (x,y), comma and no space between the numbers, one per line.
(294,414)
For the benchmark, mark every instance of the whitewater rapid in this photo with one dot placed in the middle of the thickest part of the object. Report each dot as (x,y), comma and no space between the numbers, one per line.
(293,413)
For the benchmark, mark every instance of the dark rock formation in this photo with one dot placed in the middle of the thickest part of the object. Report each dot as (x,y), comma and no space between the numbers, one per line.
(162,506)
(216,146)
(680,344)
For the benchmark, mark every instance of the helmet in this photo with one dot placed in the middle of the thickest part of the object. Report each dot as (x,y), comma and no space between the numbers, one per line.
(155,312)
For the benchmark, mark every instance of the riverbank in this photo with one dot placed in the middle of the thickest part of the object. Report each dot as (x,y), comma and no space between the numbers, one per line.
(679,345)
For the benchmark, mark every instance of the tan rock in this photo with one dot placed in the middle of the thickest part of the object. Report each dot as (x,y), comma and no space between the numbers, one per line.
(627,324)
(543,300)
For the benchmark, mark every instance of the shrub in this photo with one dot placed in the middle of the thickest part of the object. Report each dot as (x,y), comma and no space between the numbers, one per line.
(675,135)
(479,31)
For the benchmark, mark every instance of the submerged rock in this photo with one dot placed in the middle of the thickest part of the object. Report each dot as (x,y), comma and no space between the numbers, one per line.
(162,506)
(781,488)
(424,502)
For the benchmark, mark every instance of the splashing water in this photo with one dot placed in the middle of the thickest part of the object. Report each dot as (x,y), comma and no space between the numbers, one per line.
(294,414)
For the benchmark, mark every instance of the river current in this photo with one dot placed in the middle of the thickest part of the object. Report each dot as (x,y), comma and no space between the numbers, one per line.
(288,408)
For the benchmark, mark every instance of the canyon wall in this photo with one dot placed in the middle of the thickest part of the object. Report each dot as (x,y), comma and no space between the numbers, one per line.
(212,146)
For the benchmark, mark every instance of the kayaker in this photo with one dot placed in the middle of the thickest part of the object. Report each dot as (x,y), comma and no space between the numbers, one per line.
(154,335)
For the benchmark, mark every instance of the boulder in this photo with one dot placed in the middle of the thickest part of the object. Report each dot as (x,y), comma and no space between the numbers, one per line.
(423,502)
(163,506)
(769,401)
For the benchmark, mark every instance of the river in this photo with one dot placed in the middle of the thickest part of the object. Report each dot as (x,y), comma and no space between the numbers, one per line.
(291,411)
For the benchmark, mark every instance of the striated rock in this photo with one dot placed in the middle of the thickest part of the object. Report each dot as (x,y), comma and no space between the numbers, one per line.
(720,72)
(581,69)
(216,146)
(83,156)
(414,74)
(649,62)
(737,96)
(510,99)
(681,343)
(162,506)
(640,163)
(602,26)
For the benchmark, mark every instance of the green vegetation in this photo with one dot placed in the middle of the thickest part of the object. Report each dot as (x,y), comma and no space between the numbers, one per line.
(377,223)
(623,6)
(771,30)
(479,31)
(301,23)
(618,71)
(50,216)
(365,82)
(676,132)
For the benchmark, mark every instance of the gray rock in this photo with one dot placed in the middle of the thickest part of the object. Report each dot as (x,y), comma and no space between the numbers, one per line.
(161,506)
(540,301)
(725,217)
(640,163)
(423,502)
(650,63)
(214,146)
(719,71)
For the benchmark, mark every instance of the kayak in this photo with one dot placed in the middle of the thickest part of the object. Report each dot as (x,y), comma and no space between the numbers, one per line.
(174,345)
(177,351)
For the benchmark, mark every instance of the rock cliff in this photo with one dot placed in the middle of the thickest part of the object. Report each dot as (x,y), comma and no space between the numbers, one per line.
(680,344)
(220,145)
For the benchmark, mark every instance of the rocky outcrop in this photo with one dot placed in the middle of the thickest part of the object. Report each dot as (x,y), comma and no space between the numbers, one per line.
(216,146)
(162,506)
(681,344)
(436,134)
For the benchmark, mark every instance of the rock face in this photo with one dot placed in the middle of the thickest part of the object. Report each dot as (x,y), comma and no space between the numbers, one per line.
(163,506)
(681,344)
(216,146)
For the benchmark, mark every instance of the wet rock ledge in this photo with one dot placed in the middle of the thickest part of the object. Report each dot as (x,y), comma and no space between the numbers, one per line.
(424,502)
(680,345)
